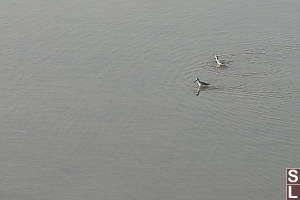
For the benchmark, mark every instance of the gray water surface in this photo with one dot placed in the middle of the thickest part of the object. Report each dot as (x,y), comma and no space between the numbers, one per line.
(97,99)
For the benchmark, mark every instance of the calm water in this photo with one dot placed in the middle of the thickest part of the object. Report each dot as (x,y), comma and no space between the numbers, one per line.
(97,99)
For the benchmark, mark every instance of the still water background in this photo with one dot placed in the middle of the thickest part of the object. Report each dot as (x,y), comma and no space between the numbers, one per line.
(97,99)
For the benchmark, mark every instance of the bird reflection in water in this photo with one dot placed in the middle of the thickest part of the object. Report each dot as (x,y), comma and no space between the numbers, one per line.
(199,89)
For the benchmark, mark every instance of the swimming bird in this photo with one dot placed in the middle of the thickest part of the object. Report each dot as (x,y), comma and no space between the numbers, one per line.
(201,83)
(218,61)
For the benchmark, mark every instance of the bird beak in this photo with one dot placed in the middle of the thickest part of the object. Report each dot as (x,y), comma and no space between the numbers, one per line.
(195,81)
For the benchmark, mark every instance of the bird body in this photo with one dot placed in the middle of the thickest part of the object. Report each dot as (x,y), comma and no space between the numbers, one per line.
(201,83)
(218,61)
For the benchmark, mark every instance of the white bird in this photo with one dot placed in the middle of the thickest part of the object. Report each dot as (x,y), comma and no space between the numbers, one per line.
(218,61)
(201,83)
